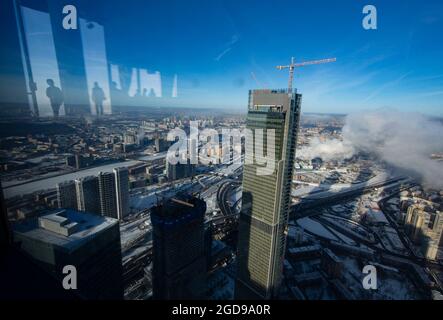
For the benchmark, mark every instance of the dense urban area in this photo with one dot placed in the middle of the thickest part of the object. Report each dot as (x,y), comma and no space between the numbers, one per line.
(221,150)
(344,213)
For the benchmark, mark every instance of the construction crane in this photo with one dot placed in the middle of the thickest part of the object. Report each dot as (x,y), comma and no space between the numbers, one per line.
(294,65)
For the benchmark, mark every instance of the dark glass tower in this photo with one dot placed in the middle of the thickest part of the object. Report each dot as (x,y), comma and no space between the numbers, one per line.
(89,242)
(179,249)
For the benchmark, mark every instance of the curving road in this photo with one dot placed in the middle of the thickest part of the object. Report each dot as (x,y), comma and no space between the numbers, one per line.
(223,193)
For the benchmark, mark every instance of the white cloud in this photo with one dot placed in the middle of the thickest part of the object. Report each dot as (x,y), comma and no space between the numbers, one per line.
(403,140)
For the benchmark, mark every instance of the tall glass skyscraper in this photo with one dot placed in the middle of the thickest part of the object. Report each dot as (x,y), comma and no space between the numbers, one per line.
(266,197)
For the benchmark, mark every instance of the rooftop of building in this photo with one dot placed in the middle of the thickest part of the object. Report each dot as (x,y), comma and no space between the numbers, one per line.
(181,208)
(106,174)
(154,157)
(270,100)
(87,178)
(65,228)
(66,183)
(275,91)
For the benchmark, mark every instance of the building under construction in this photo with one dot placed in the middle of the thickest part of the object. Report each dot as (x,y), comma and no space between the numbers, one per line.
(179,270)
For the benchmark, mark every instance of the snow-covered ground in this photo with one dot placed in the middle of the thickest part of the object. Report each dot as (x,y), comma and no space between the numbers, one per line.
(134,231)
(315,228)
(391,285)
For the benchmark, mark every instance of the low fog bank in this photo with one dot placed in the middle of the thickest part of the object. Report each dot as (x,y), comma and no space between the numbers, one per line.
(403,140)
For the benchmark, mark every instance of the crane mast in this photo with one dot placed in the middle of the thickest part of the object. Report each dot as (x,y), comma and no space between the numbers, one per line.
(294,65)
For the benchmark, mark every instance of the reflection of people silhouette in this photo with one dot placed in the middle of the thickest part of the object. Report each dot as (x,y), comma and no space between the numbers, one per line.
(55,95)
(146,95)
(152,93)
(98,96)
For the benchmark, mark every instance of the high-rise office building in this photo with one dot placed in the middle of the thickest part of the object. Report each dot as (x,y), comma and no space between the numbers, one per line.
(425,229)
(108,196)
(179,270)
(88,194)
(122,191)
(71,61)
(266,197)
(20,278)
(179,170)
(89,242)
(158,144)
(66,195)
(130,138)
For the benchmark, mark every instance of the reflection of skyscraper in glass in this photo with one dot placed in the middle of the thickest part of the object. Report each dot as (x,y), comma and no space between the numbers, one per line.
(96,62)
(42,60)
(266,198)
(142,83)
(151,82)
(174,87)
(16,95)
(73,59)
(71,62)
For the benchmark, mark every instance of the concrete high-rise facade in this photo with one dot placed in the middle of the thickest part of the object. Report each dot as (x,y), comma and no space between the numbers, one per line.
(66,195)
(88,194)
(122,191)
(108,196)
(425,229)
(179,269)
(266,197)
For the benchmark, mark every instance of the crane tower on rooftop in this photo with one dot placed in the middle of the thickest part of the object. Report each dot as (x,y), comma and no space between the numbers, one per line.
(294,65)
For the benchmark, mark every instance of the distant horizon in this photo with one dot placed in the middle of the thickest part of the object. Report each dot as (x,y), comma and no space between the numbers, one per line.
(221,110)
(207,54)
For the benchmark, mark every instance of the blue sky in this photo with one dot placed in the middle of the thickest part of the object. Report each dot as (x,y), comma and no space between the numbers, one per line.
(214,45)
